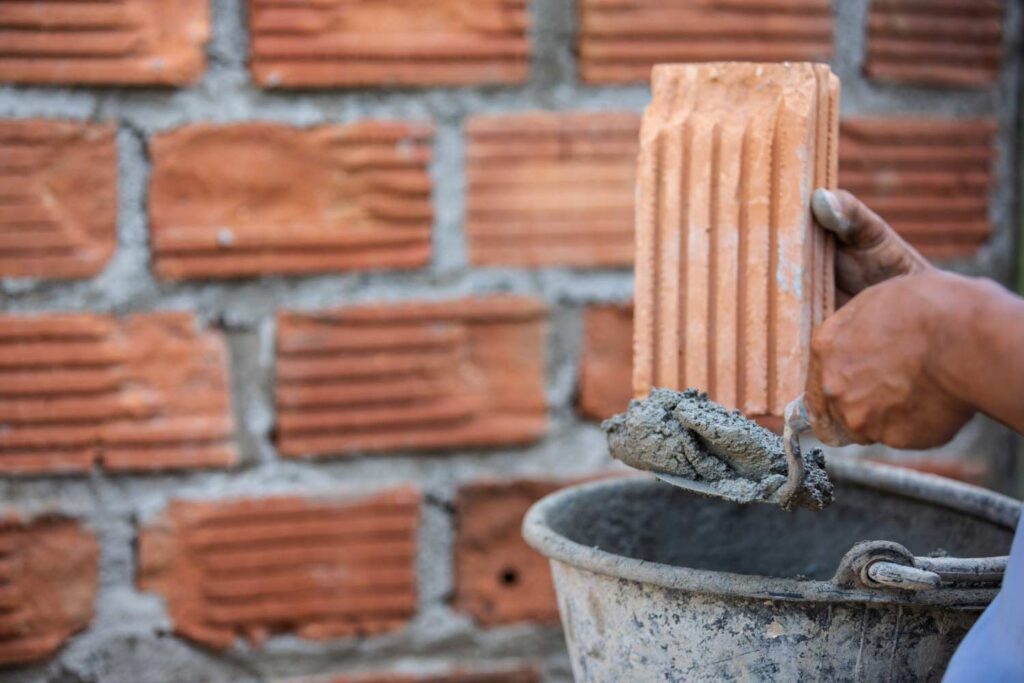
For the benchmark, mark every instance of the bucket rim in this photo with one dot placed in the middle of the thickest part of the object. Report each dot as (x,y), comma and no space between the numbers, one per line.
(975,501)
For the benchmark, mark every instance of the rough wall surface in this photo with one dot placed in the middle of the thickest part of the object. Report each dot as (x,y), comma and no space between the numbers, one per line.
(136,631)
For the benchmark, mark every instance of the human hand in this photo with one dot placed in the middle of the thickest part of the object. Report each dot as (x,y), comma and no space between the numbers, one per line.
(869,250)
(882,367)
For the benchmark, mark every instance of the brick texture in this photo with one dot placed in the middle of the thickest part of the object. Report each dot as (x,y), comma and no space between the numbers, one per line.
(513,676)
(144,393)
(224,201)
(452,374)
(321,43)
(606,366)
(58,197)
(103,42)
(930,178)
(732,273)
(551,189)
(935,42)
(49,574)
(262,566)
(620,40)
(499,579)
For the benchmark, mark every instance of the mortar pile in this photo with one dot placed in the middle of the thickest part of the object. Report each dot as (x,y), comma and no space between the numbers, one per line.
(688,435)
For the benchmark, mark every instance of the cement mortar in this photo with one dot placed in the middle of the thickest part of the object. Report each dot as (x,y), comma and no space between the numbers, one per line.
(131,628)
(686,434)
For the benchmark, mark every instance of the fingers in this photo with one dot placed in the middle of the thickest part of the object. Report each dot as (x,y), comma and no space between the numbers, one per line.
(846,216)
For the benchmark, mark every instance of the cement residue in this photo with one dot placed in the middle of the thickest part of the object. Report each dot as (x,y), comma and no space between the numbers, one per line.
(689,435)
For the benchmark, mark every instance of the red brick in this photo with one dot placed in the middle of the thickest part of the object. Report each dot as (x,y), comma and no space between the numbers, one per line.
(262,566)
(224,200)
(323,43)
(507,676)
(935,42)
(49,569)
(620,40)
(103,42)
(454,374)
(58,197)
(930,178)
(144,393)
(732,273)
(606,366)
(551,189)
(498,578)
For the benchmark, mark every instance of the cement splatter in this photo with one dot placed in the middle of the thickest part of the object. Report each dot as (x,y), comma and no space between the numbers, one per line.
(689,435)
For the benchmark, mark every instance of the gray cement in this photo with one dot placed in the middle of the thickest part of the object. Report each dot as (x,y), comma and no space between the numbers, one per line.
(129,639)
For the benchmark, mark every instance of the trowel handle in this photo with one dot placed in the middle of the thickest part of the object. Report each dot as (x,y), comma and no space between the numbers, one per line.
(796,417)
(795,422)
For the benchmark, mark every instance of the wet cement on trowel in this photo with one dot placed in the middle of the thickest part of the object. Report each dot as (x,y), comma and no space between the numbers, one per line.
(689,435)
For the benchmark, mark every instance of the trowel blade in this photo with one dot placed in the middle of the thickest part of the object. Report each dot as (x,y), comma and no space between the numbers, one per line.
(710,489)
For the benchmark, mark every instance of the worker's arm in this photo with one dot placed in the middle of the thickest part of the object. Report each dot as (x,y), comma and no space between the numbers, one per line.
(917,351)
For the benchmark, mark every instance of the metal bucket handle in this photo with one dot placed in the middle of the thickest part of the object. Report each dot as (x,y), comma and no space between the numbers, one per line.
(884,564)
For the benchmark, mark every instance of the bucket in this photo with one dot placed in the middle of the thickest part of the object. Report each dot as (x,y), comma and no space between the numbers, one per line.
(658,584)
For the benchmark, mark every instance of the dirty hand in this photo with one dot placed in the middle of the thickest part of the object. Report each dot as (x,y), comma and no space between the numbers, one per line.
(877,369)
(869,250)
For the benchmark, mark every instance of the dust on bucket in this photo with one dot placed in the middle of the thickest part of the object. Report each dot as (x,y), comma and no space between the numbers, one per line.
(659,584)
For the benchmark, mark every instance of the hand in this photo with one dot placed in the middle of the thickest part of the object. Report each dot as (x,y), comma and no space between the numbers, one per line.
(870,251)
(881,367)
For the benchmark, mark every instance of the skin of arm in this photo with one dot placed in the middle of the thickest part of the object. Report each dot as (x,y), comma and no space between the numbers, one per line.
(916,351)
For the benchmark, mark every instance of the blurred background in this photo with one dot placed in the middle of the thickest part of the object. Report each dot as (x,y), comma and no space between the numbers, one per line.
(304,302)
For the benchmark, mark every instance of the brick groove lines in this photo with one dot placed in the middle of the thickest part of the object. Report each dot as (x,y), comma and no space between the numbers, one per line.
(256,567)
(225,202)
(551,189)
(931,179)
(58,198)
(731,273)
(370,42)
(103,42)
(935,42)
(146,393)
(411,376)
(620,40)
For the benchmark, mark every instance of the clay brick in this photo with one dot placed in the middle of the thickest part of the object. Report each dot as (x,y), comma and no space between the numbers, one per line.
(606,366)
(261,566)
(732,273)
(144,393)
(930,178)
(224,201)
(513,676)
(49,573)
(58,197)
(456,374)
(935,42)
(551,189)
(620,40)
(103,42)
(323,43)
(498,578)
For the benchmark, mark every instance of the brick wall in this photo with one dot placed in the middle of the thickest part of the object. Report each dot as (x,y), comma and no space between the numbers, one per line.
(303,305)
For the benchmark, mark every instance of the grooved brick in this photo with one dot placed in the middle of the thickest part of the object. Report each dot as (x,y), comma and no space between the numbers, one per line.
(551,189)
(930,178)
(49,570)
(620,40)
(257,198)
(459,676)
(732,273)
(58,198)
(498,578)
(261,566)
(103,42)
(453,374)
(606,366)
(147,392)
(935,42)
(323,43)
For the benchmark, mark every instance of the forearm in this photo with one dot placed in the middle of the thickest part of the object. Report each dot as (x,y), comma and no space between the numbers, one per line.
(984,355)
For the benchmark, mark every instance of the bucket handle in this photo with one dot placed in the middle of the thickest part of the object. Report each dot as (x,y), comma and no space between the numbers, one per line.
(884,564)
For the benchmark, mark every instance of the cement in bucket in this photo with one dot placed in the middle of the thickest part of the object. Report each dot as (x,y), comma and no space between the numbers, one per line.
(659,584)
